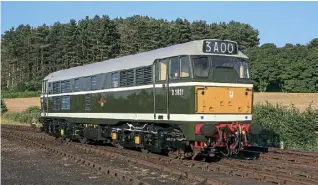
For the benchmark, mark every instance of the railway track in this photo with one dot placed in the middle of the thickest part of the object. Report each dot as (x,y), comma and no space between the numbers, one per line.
(75,157)
(281,169)
(293,152)
(247,172)
(311,160)
(46,143)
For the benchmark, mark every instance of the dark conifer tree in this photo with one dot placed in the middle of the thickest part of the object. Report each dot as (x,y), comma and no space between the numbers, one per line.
(28,54)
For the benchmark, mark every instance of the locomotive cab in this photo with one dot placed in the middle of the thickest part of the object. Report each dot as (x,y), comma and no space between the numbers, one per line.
(234,96)
(211,93)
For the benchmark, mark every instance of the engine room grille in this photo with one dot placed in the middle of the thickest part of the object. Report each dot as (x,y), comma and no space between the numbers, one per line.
(144,75)
(88,102)
(126,78)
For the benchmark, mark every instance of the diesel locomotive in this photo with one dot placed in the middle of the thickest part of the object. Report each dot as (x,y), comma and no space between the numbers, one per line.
(184,100)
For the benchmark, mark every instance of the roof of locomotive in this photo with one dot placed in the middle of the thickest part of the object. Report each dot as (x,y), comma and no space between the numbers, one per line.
(133,61)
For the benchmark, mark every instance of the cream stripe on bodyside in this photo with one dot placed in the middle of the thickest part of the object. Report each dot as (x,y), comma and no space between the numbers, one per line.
(173,117)
(185,84)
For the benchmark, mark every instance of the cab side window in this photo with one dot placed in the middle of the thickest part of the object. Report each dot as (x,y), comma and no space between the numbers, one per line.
(184,67)
(161,70)
(174,68)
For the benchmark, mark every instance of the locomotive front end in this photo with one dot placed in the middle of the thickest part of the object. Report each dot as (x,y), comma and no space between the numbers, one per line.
(226,114)
(224,100)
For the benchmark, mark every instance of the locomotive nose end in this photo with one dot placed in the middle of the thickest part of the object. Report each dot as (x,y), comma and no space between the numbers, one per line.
(256,129)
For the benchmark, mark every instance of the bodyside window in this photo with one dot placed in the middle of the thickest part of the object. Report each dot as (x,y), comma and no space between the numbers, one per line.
(115,79)
(94,83)
(87,83)
(76,85)
(66,86)
(66,103)
(56,103)
(56,87)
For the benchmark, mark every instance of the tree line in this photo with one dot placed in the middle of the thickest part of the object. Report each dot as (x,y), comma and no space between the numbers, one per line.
(292,68)
(28,53)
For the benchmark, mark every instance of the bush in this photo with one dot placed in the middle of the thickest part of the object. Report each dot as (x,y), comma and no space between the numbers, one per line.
(3,107)
(32,109)
(25,86)
(22,90)
(30,115)
(27,94)
(297,130)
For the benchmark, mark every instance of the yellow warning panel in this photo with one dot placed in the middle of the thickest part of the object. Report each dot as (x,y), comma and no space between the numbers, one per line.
(137,140)
(114,136)
(223,100)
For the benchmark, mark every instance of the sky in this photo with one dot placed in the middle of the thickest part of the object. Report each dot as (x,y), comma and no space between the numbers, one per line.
(277,22)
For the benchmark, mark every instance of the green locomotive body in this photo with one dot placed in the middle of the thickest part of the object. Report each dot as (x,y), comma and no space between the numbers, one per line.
(189,98)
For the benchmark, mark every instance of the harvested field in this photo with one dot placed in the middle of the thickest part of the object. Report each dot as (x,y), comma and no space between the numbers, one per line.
(20,104)
(300,100)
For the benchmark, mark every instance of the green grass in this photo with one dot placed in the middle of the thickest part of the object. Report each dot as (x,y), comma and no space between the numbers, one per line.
(30,115)
(11,122)
(5,121)
(27,94)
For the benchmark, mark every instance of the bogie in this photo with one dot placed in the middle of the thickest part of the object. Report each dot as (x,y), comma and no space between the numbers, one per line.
(166,139)
(148,137)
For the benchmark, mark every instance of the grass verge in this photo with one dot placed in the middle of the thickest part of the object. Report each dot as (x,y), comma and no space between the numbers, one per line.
(30,115)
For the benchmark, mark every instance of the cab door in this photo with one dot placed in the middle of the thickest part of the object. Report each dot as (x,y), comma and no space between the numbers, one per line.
(44,97)
(161,90)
